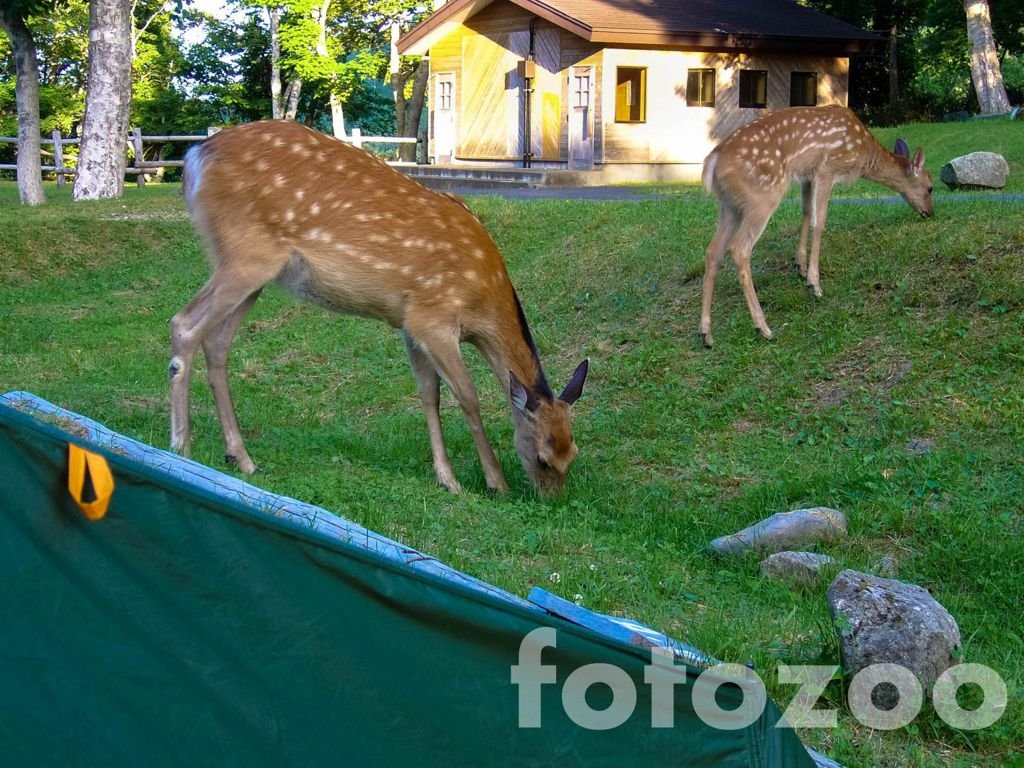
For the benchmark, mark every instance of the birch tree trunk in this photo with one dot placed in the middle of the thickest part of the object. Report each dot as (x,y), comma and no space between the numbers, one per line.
(101,161)
(337,112)
(985,70)
(282,105)
(276,102)
(26,96)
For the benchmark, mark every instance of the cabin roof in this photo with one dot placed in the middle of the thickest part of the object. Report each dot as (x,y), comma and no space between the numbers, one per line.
(712,25)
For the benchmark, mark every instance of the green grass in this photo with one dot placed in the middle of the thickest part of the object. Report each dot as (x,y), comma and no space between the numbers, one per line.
(918,336)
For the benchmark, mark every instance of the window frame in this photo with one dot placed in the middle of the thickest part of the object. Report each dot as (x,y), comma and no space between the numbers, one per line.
(702,75)
(758,76)
(631,112)
(801,79)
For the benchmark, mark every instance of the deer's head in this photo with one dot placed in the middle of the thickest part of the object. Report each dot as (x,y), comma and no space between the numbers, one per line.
(543,430)
(917,187)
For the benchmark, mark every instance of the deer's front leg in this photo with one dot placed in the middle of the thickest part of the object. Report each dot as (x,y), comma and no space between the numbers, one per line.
(428,387)
(819,207)
(442,346)
(806,208)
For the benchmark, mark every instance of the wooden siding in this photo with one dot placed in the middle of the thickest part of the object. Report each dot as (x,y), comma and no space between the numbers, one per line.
(677,133)
(482,55)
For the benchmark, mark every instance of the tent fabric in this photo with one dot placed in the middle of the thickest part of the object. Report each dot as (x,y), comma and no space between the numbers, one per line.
(190,627)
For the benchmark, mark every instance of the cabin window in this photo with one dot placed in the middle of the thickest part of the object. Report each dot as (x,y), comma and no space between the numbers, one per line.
(700,88)
(631,95)
(753,88)
(444,94)
(803,89)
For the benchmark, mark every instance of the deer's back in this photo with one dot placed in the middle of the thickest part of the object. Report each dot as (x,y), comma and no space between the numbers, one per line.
(788,145)
(336,226)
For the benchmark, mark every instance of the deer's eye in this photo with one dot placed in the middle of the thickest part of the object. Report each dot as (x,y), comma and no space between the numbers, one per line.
(542,464)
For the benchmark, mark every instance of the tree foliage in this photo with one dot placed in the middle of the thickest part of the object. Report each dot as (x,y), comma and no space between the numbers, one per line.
(220,72)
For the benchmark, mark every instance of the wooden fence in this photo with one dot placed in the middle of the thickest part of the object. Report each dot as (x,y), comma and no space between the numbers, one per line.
(140,167)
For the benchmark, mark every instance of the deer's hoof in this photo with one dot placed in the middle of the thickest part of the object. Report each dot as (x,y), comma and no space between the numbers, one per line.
(450,484)
(245,465)
(766,332)
(814,289)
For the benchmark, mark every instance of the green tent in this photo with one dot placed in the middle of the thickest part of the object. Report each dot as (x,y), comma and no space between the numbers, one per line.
(201,621)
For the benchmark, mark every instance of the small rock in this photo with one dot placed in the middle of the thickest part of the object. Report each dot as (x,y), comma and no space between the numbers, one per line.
(785,530)
(918,446)
(887,567)
(978,170)
(883,621)
(795,567)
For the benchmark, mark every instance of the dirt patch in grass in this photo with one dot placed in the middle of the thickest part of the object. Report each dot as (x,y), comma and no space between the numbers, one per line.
(867,365)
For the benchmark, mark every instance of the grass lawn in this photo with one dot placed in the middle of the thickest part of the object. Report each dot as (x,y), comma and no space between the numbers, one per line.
(918,336)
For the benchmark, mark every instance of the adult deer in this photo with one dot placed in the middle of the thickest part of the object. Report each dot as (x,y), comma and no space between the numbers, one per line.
(750,171)
(276,201)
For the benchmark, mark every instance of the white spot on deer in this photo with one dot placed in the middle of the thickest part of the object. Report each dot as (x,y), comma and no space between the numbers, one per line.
(289,215)
(280,179)
(299,194)
(314,209)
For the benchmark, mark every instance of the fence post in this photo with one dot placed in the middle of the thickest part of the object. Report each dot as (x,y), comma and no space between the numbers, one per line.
(357,138)
(58,158)
(140,177)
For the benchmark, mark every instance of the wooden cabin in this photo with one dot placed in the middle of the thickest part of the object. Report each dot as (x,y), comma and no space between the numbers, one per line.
(637,90)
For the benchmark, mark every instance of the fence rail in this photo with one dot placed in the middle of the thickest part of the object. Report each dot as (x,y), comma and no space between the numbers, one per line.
(140,167)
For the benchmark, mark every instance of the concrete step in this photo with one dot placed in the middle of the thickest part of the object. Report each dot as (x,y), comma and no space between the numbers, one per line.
(447,177)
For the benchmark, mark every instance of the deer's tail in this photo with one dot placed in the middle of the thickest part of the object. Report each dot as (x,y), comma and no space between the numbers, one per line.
(708,176)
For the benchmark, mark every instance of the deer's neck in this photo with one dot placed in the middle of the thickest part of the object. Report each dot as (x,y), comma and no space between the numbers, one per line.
(512,349)
(884,168)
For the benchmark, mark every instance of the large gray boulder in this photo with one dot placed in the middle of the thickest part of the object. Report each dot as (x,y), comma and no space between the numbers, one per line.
(796,529)
(978,170)
(884,621)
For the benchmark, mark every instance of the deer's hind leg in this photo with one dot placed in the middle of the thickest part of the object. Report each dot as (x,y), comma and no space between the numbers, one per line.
(210,320)
(728,220)
(215,348)
(755,219)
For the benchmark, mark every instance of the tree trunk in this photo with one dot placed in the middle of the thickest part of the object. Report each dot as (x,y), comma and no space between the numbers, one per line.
(26,95)
(985,71)
(291,98)
(407,111)
(101,161)
(337,112)
(276,102)
(894,76)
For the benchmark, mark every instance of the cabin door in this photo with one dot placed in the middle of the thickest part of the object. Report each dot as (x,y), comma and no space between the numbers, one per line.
(444,118)
(581,118)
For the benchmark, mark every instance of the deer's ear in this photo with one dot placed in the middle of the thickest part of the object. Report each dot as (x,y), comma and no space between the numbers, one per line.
(574,389)
(522,399)
(901,150)
(918,162)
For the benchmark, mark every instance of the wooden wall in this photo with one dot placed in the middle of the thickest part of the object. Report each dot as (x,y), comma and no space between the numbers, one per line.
(677,133)
(484,52)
